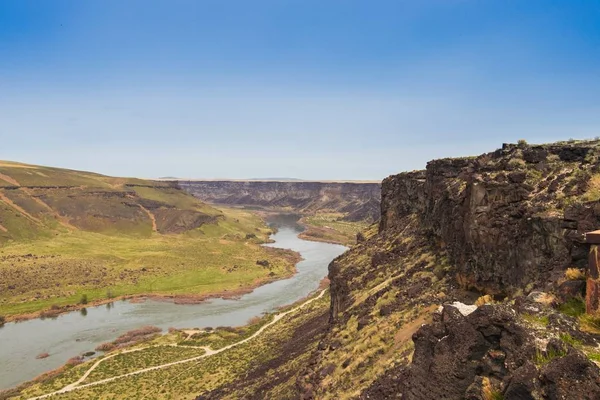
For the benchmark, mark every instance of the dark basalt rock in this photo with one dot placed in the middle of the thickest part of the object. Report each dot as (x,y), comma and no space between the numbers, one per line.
(571,289)
(499,215)
(457,356)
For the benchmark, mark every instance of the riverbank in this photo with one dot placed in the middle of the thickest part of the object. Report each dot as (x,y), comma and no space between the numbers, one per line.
(331,228)
(321,227)
(46,278)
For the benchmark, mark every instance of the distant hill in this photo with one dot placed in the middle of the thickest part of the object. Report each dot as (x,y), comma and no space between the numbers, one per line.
(36,201)
(276,179)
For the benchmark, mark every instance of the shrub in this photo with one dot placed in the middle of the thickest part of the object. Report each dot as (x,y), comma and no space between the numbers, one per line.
(544,357)
(574,307)
(593,189)
(84,299)
(522,142)
(71,362)
(105,346)
(2,320)
(574,274)
(567,338)
(516,163)
(590,323)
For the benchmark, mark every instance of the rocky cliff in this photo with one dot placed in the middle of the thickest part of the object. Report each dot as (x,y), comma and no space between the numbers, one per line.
(358,201)
(509,220)
(484,229)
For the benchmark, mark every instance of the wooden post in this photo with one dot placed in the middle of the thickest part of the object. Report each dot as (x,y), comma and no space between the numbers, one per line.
(592,292)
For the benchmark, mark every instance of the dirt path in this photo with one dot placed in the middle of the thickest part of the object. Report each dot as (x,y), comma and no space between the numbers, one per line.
(209,352)
(151,216)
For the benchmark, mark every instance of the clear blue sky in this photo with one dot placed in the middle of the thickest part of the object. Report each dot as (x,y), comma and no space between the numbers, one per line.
(338,89)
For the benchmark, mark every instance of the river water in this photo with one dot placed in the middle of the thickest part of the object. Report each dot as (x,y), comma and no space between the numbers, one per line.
(77,332)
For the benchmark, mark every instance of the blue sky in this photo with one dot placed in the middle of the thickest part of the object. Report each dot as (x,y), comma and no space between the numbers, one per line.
(314,89)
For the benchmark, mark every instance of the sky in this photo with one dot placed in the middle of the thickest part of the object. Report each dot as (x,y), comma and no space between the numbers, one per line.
(311,89)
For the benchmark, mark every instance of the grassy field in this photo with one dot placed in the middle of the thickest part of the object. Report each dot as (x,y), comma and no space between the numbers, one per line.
(329,227)
(68,238)
(218,257)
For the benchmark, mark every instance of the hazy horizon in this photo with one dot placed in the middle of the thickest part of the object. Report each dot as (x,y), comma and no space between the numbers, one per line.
(352,90)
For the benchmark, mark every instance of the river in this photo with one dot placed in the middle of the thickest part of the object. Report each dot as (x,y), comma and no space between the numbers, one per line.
(77,332)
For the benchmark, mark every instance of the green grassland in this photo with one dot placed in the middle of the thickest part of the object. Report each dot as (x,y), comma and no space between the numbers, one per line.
(65,234)
(331,228)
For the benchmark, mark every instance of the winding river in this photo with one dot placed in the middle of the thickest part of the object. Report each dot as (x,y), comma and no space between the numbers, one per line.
(77,332)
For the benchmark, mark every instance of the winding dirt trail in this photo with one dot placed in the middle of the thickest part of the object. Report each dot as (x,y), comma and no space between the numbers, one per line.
(208,352)
(151,216)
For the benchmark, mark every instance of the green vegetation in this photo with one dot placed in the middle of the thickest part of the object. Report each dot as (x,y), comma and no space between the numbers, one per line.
(268,350)
(536,319)
(573,307)
(594,357)
(330,227)
(544,357)
(224,336)
(567,338)
(149,357)
(70,238)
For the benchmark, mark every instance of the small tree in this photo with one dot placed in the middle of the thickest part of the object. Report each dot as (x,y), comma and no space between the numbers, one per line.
(84,299)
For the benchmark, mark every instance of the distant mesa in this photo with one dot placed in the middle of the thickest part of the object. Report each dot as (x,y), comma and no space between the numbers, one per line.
(276,179)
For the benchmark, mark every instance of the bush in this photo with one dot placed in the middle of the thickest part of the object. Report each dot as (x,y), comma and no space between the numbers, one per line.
(574,274)
(84,299)
(2,320)
(516,163)
(522,142)
(574,307)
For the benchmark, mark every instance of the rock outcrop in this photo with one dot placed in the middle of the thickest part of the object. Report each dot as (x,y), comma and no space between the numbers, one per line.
(489,354)
(358,201)
(509,220)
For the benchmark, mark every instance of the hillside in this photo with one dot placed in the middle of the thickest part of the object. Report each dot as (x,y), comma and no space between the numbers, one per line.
(68,234)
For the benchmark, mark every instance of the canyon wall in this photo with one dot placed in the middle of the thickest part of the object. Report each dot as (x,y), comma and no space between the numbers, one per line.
(360,201)
(509,219)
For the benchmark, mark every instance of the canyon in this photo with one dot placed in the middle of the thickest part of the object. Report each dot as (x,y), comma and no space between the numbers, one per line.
(357,201)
